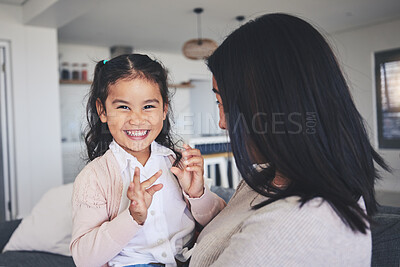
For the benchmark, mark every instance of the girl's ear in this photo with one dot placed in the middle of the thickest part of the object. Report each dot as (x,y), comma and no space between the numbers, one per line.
(165,111)
(101,111)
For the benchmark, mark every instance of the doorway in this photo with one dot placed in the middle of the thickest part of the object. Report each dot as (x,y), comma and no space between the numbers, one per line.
(7,154)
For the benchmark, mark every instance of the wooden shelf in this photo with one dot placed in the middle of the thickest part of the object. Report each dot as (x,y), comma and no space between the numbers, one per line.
(74,82)
(182,85)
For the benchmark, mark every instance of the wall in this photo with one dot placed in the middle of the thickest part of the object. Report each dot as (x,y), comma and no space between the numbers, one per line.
(180,69)
(356,50)
(36,106)
(204,110)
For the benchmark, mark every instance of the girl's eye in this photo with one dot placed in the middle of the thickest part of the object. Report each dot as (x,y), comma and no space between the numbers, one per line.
(217,102)
(148,107)
(123,107)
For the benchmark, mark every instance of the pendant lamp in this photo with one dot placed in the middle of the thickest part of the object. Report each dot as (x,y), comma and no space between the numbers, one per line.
(199,48)
(240,19)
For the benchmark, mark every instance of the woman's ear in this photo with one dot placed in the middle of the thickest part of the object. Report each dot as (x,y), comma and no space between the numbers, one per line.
(165,111)
(101,111)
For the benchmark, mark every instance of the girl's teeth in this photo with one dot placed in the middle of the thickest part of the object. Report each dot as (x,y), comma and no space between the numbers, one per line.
(136,133)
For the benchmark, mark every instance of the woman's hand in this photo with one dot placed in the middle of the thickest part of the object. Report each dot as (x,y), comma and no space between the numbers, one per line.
(191,176)
(141,195)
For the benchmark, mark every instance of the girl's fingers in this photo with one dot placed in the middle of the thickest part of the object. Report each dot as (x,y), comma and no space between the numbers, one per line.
(152,179)
(195,168)
(136,179)
(135,207)
(154,188)
(132,196)
(130,191)
(177,171)
(193,161)
(190,151)
(186,146)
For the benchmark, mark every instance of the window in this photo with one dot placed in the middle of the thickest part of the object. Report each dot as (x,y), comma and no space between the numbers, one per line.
(387,71)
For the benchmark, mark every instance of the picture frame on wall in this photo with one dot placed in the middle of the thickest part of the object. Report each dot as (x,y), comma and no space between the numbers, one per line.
(387,73)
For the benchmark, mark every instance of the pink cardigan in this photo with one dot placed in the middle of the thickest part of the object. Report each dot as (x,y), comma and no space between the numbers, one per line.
(99,233)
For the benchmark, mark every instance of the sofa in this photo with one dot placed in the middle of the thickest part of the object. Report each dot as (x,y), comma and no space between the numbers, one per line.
(385,241)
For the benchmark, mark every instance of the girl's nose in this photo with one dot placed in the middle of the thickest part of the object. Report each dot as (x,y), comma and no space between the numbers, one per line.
(136,118)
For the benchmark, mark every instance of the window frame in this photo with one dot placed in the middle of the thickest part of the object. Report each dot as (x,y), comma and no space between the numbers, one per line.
(384,57)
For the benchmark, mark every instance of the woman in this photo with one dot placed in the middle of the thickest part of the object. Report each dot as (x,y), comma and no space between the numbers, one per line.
(302,149)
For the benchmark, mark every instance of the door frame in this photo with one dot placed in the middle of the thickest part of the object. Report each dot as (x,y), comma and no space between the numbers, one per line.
(7,128)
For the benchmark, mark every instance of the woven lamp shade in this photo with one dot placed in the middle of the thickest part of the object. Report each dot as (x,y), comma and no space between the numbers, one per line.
(193,49)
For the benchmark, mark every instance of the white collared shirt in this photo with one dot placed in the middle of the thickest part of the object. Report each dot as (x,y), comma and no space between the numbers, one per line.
(169,224)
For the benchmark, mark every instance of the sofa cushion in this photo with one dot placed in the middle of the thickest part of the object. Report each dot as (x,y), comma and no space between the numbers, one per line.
(34,259)
(224,193)
(6,230)
(48,228)
(386,237)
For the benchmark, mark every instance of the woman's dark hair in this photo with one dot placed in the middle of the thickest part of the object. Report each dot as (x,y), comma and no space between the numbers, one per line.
(283,92)
(130,66)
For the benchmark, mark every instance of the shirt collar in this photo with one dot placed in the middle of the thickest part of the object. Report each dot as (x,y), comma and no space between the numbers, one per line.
(160,150)
(124,157)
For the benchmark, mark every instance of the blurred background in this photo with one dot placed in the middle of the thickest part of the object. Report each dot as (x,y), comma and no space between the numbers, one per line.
(48,49)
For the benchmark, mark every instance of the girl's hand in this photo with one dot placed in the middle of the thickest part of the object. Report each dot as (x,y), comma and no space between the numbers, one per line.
(191,176)
(141,195)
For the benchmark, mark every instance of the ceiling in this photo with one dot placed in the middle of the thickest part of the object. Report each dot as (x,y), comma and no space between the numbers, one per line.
(13,2)
(164,25)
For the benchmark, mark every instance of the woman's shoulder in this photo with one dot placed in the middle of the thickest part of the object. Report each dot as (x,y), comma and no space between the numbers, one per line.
(286,232)
(316,210)
(315,219)
(305,229)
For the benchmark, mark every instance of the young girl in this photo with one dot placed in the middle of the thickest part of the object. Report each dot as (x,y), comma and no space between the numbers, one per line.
(120,222)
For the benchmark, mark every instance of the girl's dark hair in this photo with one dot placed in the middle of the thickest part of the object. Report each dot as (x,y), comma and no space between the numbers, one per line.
(130,66)
(283,92)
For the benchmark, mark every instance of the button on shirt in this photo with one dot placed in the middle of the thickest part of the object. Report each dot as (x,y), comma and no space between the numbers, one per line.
(169,224)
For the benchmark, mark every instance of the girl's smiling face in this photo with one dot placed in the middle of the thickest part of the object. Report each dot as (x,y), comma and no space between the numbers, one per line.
(134,112)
